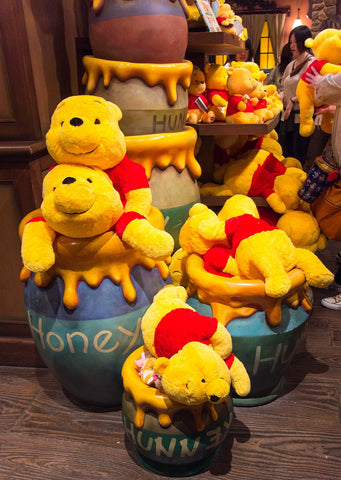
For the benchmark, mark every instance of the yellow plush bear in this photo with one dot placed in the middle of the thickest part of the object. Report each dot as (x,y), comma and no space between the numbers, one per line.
(81,202)
(303,230)
(240,84)
(274,103)
(216,83)
(253,68)
(225,17)
(259,103)
(327,51)
(178,337)
(196,93)
(84,130)
(258,173)
(257,250)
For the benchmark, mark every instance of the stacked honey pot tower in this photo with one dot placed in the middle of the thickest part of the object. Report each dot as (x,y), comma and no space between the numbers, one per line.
(138,63)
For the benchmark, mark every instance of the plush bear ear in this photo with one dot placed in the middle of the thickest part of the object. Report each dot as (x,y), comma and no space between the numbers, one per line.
(160,365)
(115,110)
(309,42)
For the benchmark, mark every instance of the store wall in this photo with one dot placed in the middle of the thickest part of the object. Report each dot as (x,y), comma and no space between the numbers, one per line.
(52,27)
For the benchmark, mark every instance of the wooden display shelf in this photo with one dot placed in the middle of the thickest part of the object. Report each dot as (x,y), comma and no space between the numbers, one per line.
(214,43)
(221,128)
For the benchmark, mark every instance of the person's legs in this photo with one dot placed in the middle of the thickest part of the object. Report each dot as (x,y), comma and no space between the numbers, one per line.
(335,302)
(300,145)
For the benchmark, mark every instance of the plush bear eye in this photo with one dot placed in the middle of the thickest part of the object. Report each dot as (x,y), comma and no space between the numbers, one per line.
(97,121)
(62,124)
(54,188)
(203,381)
(89,180)
(187,386)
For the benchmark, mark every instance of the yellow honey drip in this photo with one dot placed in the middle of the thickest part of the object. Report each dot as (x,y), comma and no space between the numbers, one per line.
(93,259)
(165,149)
(235,297)
(147,398)
(168,74)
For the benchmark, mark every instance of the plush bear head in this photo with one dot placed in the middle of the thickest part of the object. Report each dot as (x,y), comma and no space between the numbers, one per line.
(198,83)
(253,68)
(240,81)
(326,45)
(303,230)
(216,76)
(84,130)
(194,375)
(79,201)
(190,238)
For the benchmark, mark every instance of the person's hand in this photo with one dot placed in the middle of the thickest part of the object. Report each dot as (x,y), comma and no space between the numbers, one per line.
(288,109)
(312,77)
(324,109)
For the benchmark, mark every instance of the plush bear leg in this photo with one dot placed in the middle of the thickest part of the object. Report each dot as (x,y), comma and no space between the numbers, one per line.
(317,275)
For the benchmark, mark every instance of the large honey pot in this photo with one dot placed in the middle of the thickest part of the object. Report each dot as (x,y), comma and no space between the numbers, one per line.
(266,332)
(170,438)
(85,312)
(139,30)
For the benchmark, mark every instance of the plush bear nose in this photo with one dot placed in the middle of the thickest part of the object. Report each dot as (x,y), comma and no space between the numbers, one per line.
(214,398)
(68,180)
(76,122)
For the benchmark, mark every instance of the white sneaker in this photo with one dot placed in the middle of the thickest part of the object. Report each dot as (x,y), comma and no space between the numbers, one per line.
(332,302)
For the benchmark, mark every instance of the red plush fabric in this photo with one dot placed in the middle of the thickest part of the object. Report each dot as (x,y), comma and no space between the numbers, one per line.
(260,104)
(317,64)
(229,360)
(215,260)
(193,98)
(222,93)
(263,179)
(243,226)
(232,106)
(220,155)
(124,220)
(127,176)
(269,215)
(36,219)
(179,327)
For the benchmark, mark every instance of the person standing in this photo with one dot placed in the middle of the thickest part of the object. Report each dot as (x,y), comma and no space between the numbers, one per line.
(293,144)
(276,74)
(328,92)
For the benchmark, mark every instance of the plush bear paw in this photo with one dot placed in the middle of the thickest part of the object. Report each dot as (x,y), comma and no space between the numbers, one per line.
(152,242)
(277,286)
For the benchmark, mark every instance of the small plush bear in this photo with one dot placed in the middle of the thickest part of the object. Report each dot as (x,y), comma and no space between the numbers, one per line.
(198,105)
(240,84)
(217,94)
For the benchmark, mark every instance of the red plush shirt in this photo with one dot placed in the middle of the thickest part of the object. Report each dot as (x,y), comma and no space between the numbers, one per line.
(181,326)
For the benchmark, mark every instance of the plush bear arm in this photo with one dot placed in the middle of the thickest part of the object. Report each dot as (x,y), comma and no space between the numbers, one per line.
(219,101)
(221,341)
(212,230)
(139,201)
(150,241)
(317,275)
(239,376)
(37,245)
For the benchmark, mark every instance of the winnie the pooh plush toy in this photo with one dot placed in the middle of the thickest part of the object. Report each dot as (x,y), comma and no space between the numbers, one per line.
(81,202)
(192,352)
(217,95)
(256,249)
(259,103)
(196,91)
(84,130)
(326,47)
(239,108)
(258,173)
